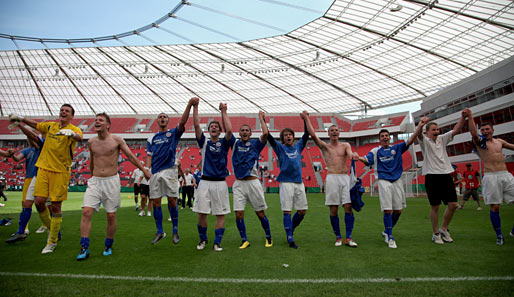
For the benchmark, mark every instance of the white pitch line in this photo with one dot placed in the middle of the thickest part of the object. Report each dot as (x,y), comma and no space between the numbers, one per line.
(258,280)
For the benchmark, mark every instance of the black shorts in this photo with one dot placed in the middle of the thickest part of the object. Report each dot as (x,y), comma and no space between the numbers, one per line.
(470,192)
(440,188)
(145,190)
(137,189)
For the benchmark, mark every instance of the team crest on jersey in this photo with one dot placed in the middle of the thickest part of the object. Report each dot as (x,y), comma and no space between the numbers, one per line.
(168,134)
(393,152)
(247,144)
(218,144)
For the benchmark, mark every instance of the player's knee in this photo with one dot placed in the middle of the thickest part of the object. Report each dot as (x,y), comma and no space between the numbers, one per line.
(111,216)
(240,215)
(495,207)
(302,212)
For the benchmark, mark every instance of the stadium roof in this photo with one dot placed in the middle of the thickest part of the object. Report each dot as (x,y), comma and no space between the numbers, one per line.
(359,54)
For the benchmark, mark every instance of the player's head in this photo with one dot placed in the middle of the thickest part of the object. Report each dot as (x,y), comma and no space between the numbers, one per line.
(102,122)
(163,120)
(384,137)
(245,131)
(214,128)
(287,136)
(333,132)
(486,129)
(66,113)
(468,166)
(188,170)
(432,130)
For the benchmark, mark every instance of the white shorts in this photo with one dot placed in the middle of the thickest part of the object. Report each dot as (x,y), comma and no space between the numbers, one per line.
(212,196)
(105,191)
(498,187)
(391,195)
(292,196)
(30,190)
(337,189)
(248,190)
(164,183)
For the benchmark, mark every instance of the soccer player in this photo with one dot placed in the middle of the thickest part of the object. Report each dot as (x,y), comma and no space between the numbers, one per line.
(188,188)
(291,188)
(438,181)
(212,192)
(471,185)
(136,174)
(161,149)
(144,190)
(104,185)
(54,165)
(30,154)
(497,183)
(247,187)
(337,183)
(387,162)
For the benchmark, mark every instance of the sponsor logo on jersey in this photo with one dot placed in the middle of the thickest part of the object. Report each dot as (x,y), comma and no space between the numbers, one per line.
(168,134)
(292,155)
(218,144)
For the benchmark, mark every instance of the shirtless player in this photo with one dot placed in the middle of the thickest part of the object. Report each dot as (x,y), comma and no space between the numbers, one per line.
(497,183)
(337,183)
(104,186)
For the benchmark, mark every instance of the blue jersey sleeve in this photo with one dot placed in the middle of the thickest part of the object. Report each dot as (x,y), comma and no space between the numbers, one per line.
(201,141)
(258,145)
(272,141)
(229,143)
(304,138)
(402,147)
(371,158)
(149,146)
(25,152)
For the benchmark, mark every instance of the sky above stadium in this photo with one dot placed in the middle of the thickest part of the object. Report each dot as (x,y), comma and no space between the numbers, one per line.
(203,21)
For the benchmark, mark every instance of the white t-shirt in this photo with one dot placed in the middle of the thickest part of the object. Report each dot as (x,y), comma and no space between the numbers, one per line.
(137,174)
(189,179)
(435,157)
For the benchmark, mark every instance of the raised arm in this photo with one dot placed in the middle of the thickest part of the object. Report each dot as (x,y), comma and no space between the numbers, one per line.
(126,150)
(458,127)
(181,172)
(18,157)
(506,145)
(472,127)
(196,121)
(307,121)
(31,135)
(185,115)
(8,153)
(264,127)
(418,131)
(227,125)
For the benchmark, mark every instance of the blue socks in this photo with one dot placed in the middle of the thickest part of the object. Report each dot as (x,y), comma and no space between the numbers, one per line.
(242,229)
(157,215)
(297,219)
(265,226)
(349,219)
(109,242)
(174,217)
(202,231)
(396,217)
(24,219)
(388,224)
(218,235)
(288,226)
(334,221)
(84,242)
(496,222)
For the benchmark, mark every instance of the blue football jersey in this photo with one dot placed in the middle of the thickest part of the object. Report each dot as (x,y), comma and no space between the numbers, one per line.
(289,159)
(31,155)
(162,146)
(389,162)
(245,157)
(215,156)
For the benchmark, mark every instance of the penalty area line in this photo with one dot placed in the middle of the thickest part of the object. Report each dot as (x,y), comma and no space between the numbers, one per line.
(258,280)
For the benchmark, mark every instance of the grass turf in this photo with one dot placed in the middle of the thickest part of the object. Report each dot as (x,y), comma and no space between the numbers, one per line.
(474,253)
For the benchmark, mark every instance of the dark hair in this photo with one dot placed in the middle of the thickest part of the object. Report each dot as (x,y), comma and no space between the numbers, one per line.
(246,126)
(69,105)
(382,131)
(284,131)
(214,122)
(486,124)
(427,126)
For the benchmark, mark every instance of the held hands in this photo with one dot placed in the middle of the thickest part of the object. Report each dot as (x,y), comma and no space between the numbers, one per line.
(424,120)
(66,132)
(466,113)
(194,101)
(13,125)
(355,156)
(262,115)
(223,107)
(304,115)
(15,118)
(147,173)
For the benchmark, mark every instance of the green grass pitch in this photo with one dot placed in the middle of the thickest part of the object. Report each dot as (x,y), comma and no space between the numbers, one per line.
(474,254)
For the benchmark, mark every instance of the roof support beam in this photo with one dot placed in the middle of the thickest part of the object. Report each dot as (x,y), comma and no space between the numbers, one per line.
(357,62)
(308,74)
(139,80)
(35,82)
(70,80)
(386,36)
(103,78)
(256,76)
(434,5)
